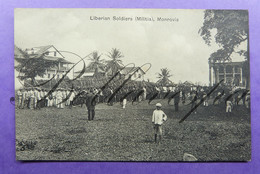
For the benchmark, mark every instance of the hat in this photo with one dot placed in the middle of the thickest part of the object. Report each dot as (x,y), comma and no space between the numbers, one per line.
(158,105)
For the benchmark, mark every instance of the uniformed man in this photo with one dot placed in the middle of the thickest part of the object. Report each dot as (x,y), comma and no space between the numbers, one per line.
(20,97)
(176,101)
(91,103)
(59,98)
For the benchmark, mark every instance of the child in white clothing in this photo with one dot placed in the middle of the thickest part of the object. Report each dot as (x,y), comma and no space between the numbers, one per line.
(157,119)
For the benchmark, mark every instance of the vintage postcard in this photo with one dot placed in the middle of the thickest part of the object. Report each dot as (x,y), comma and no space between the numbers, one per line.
(132,85)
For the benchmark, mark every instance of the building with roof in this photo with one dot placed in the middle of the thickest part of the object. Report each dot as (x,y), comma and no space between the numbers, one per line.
(49,53)
(233,73)
(137,74)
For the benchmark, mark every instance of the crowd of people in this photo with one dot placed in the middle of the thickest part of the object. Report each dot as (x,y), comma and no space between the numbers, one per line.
(36,98)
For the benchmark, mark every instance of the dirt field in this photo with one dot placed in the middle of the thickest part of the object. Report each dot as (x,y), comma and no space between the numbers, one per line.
(127,135)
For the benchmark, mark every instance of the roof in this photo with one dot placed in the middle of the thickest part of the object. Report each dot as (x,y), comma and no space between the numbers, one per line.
(129,70)
(39,51)
(43,49)
(57,59)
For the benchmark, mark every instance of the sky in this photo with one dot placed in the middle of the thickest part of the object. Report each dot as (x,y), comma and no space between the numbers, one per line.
(175,45)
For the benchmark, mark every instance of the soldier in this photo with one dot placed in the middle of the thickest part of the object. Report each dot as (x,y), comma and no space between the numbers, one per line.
(26,97)
(59,99)
(176,101)
(37,99)
(183,96)
(31,98)
(91,103)
(194,98)
(67,95)
(44,100)
(247,100)
(20,97)
(49,99)
(54,98)
(110,92)
(229,107)
(63,91)
(206,100)
(71,98)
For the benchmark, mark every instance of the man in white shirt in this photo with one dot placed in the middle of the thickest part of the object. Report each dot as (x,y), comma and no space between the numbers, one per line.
(20,97)
(157,119)
(71,98)
(228,107)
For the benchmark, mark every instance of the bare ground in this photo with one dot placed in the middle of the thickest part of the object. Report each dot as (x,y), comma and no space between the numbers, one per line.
(127,135)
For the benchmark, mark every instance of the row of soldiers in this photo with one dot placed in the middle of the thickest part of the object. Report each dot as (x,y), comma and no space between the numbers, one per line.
(36,98)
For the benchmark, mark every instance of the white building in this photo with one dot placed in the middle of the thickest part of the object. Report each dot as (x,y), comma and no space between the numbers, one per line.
(50,53)
(136,72)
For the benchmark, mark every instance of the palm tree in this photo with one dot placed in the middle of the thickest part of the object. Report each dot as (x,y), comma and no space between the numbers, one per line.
(115,63)
(164,77)
(96,64)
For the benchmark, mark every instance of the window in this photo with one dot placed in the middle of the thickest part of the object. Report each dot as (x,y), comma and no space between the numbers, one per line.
(139,75)
(49,75)
(55,53)
(58,76)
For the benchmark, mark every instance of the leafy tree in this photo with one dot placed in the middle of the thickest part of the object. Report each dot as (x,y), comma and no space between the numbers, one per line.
(115,62)
(164,77)
(96,64)
(230,30)
(31,66)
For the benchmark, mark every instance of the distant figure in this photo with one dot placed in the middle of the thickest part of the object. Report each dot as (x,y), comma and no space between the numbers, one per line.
(145,93)
(157,119)
(194,98)
(124,103)
(91,103)
(183,96)
(71,98)
(176,101)
(229,107)
(206,100)
(20,98)
(59,99)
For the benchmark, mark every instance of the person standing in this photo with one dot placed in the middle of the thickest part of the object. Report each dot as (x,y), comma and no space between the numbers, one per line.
(145,93)
(158,118)
(124,103)
(71,98)
(20,97)
(63,92)
(194,98)
(32,98)
(91,103)
(176,101)
(67,96)
(26,98)
(59,98)
(206,100)
(229,107)
(38,101)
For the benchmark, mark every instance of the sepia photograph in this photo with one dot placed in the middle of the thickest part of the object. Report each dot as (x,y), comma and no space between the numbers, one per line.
(169,85)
